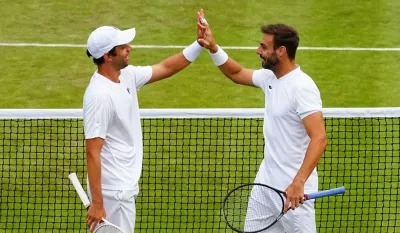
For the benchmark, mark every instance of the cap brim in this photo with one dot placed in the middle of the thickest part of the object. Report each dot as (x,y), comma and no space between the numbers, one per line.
(126,36)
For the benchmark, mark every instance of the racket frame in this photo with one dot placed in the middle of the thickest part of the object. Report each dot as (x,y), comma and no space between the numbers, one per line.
(282,194)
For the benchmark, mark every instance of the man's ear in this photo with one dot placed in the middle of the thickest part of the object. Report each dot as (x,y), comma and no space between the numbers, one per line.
(281,51)
(107,57)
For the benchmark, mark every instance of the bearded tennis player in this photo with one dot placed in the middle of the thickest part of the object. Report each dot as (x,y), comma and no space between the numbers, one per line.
(294,129)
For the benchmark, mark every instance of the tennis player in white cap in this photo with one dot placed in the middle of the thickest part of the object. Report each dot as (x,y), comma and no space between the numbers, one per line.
(112,123)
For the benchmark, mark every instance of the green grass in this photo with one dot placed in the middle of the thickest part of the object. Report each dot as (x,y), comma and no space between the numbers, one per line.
(184,179)
(38,79)
(57,77)
(320,23)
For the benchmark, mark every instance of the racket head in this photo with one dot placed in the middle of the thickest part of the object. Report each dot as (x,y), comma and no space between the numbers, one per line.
(106,227)
(243,206)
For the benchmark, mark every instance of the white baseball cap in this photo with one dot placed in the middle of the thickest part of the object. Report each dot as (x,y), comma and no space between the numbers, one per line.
(104,38)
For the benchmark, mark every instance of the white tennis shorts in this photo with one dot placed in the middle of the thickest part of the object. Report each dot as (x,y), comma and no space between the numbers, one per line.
(120,208)
(300,220)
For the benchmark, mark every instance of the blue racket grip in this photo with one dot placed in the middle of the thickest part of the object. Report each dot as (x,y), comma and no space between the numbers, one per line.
(324,193)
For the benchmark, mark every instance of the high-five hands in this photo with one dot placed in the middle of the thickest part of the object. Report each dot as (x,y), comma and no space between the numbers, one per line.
(204,34)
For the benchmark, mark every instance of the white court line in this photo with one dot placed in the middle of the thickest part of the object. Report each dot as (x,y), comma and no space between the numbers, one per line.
(183,46)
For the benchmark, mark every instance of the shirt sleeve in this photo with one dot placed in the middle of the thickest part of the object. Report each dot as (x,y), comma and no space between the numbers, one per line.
(97,114)
(140,75)
(262,77)
(307,100)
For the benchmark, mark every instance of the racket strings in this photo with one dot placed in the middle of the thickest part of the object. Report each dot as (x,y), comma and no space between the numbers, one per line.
(252,208)
(106,228)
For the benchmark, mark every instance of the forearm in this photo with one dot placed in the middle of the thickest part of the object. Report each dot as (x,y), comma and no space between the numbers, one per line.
(174,64)
(227,65)
(94,175)
(311,159)
(230,68)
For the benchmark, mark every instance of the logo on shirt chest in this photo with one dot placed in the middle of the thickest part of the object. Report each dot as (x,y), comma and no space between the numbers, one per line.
(129,91)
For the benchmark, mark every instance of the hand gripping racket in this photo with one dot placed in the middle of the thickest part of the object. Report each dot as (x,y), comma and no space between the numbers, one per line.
(255,207)
(104,226)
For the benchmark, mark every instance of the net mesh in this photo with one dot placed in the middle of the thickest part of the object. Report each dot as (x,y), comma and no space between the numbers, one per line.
(189,166)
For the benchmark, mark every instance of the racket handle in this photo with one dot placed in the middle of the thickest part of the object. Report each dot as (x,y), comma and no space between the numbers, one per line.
(79,189)
(324,193)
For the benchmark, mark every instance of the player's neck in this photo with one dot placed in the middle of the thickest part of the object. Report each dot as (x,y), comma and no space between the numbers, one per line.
(109,72)
(284,68)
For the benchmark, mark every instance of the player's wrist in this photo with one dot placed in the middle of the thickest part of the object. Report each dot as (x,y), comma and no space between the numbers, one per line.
(97,202)
(97,199)
(299,180)
(219,57)
(192,51)
(213,48)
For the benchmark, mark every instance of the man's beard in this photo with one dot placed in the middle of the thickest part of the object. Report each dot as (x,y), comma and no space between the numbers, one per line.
(124,65)
(270,63)
(120,65)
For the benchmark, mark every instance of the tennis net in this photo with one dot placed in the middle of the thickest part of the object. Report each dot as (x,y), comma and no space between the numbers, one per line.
(192,157)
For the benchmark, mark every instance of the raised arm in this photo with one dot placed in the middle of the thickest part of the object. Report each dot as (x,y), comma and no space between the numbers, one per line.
(229,67)
(175,63)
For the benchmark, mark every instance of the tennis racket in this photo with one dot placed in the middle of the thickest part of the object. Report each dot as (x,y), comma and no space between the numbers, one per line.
(266,205)
(104,226)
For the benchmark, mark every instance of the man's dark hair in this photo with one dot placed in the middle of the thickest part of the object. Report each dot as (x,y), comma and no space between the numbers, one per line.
(284,35)
(99,61)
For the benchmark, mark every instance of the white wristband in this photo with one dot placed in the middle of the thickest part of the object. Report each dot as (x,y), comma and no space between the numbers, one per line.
(192,51)
(220,57)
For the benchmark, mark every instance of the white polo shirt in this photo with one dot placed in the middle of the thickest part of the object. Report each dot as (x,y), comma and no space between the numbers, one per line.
(287,101)
(111,112)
